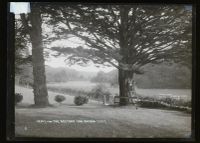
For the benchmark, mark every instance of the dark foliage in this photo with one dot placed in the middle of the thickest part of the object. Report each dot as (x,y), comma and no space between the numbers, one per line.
(80,100)
(18,97)
(124,36)
(99,91)
(150,104)
(59,98)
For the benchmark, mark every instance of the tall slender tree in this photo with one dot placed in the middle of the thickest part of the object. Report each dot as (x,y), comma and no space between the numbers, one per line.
(34,29)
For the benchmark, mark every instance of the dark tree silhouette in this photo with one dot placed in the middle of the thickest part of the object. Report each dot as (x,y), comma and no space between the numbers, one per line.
(21,49)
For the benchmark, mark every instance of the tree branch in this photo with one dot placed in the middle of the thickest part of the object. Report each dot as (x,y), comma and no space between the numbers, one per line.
(25,23)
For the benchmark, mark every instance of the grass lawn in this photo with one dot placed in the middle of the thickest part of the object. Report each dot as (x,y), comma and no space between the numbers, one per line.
(96,120)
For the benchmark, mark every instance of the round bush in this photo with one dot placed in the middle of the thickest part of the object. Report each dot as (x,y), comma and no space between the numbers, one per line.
(80,100)
(18,97)
(59,98)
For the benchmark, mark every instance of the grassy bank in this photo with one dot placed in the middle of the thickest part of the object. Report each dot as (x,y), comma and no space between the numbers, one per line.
(118,122)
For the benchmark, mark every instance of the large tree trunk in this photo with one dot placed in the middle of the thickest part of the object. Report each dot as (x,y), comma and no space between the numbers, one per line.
(126,77)
(126,86)
(39,86)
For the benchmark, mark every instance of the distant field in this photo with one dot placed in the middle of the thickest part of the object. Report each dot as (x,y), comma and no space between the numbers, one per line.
(182,93)
(86,86)
(79,85)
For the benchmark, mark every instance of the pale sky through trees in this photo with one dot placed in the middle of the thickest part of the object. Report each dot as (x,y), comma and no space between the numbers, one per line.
(59,61)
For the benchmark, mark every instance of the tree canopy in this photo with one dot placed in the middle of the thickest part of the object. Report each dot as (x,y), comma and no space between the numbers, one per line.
(21,47)
(124,36)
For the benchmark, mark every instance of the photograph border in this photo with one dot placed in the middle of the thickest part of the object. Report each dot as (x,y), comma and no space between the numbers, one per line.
(10,89)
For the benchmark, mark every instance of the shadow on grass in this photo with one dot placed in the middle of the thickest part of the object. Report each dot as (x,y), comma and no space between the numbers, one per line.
(33,106)
(86,106)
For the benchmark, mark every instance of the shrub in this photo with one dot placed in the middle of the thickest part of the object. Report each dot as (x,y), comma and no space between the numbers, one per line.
(150,104)
(18,97)
(175,102)
(98,91)
(187,104)
(80,100)
(165,103)
(183,102)
(59,98)
(148,98)
(168,100)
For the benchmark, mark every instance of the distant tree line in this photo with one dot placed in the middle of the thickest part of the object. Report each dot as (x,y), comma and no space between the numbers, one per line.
(62,74)
(164,75)
(25,76)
